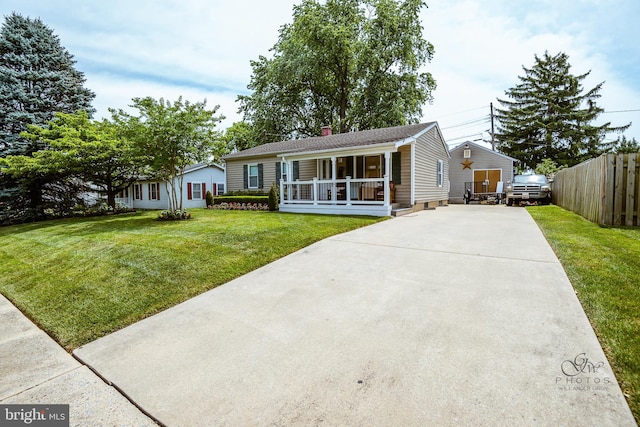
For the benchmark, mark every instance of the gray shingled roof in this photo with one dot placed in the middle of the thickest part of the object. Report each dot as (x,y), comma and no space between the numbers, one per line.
(460,146)
(341,140)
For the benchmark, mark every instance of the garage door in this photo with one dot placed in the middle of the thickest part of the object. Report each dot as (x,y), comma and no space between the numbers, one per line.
(486,180)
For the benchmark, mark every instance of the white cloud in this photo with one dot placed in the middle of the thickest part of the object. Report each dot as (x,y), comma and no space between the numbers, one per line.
(482,46)
(201,49)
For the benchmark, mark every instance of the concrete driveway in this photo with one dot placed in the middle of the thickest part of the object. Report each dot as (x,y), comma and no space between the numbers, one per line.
(458,316)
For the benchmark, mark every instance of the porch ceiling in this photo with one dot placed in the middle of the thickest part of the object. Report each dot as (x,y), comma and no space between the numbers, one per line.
(343,152)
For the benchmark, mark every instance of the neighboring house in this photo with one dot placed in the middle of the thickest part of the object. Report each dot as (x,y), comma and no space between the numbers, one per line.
(478,169)
(362,173)
(197,179)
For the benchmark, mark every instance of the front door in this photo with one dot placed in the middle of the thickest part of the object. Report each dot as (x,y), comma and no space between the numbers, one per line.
(486,180)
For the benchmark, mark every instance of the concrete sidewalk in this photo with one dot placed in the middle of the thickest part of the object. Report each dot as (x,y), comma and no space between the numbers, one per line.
(458,316)
(34,369)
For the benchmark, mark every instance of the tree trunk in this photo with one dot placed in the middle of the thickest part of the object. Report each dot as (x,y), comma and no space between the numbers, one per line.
(180,180)
(111,199)
(35,197)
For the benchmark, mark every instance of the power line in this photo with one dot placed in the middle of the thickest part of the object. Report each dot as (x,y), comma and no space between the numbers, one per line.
(483,119)
(621,111)
(464,137)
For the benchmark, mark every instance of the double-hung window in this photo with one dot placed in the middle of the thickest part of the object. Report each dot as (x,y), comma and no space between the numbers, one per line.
(285,172)
(440,173)
(154,191)
(253,176)
(196,189)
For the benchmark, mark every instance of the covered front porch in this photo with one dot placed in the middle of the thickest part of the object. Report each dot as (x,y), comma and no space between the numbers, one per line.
(345,183)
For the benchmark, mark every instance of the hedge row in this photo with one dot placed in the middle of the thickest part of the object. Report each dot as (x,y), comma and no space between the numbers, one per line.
(240,199)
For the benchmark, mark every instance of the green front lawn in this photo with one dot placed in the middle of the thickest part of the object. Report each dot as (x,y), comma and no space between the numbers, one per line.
(603,264)
(80,279)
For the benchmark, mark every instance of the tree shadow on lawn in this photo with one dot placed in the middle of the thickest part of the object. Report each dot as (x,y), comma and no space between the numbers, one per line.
(89,225)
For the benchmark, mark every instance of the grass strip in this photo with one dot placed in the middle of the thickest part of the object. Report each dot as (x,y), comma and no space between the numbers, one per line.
(603,264)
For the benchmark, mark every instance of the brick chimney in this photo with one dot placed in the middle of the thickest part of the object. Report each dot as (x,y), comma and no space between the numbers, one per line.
(326,130)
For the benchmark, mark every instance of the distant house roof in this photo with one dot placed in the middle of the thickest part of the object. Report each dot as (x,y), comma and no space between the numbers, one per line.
(187,169)
(340,140)
(497,153)
(198,166)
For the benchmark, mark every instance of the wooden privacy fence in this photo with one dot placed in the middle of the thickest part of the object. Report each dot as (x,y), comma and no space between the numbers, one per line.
(604,190)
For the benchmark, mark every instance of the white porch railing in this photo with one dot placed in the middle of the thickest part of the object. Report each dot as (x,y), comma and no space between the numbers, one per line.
(344,192)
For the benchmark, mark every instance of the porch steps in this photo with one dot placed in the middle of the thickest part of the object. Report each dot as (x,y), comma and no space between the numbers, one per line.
(399,210)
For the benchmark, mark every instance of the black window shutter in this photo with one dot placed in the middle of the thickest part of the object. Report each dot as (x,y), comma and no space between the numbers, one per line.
(260,167)
(296,170)
(396,169)
(245,179)
(278,173)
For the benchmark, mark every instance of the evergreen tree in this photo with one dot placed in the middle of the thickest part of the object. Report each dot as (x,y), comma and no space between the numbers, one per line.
(549,115)
(623,145)
(37,79)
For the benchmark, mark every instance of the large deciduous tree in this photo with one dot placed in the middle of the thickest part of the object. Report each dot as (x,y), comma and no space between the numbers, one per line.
(550,115)
(37,79)
(174,136)
(241,136)
(351,64)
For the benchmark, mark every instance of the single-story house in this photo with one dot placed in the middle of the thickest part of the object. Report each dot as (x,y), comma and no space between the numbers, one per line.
(369,172)
(478,169)
(196,180)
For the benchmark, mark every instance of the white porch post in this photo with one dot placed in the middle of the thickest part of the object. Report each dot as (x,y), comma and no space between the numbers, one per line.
(348,192)
(315,191)
(281,191)
(334,188)
(387,168)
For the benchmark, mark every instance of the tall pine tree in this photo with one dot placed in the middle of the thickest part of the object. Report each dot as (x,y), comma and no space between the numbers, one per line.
(549,115)
(37,79)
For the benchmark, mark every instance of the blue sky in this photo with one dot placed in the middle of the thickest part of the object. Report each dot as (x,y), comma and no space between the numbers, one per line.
(201,49)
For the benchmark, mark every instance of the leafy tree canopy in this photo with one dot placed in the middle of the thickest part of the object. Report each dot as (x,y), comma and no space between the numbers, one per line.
(82,149)
(174,135)
(548,167)
(351,64)
(549,115)
(242,135)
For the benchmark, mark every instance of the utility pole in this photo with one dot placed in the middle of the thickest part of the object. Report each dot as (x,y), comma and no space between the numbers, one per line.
(493,138)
